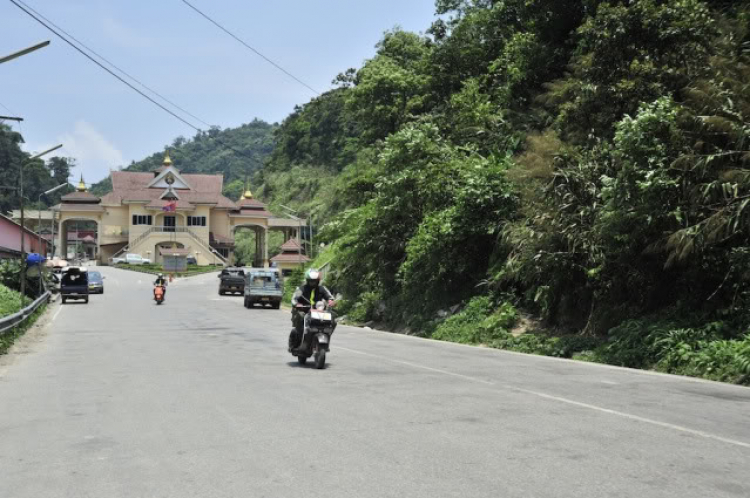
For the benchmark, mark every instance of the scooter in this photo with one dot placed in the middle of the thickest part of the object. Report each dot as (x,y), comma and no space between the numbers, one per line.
(319,324)
(159,294)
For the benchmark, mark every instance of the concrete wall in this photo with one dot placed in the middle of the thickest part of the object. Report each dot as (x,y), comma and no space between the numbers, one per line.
(115,225)
(219,222)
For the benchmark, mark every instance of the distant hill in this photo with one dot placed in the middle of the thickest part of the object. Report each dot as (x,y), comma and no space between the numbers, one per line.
(233,152)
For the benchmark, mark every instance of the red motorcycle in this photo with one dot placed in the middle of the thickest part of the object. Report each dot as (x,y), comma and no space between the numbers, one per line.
(159,294)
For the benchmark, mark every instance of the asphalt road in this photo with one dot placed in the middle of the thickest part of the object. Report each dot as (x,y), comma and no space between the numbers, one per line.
(198,398)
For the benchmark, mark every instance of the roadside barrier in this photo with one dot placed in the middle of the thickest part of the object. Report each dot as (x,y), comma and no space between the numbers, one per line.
(15,319)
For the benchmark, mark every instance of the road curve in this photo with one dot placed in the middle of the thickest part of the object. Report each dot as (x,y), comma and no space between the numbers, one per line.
(198,398)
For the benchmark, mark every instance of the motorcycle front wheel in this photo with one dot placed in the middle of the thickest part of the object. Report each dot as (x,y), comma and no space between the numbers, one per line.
(320,358)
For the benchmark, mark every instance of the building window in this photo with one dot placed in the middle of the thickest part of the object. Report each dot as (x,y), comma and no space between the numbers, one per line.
(142,219)
(196,221)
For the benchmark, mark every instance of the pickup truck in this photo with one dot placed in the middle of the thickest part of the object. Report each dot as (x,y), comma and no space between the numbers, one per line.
(74,284)
(131,259)
(232,280)
(263,286)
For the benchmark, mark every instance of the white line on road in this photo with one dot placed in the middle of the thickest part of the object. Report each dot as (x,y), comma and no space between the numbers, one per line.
(58,312)
(423,367)
(563,400)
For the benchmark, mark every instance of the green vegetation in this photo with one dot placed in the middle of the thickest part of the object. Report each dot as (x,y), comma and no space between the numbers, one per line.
(234,152)
(10,303)
(583,160)
(38,175)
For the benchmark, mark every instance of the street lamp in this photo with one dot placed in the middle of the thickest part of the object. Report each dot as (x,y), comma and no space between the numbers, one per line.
(23,52)
(23,233)
(39,222)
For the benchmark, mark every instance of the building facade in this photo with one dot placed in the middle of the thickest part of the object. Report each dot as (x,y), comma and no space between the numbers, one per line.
(10,240)
(147,212)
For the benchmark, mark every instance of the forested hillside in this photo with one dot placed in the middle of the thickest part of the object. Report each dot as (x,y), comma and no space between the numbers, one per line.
(39,176)
(583,161)
(234,152)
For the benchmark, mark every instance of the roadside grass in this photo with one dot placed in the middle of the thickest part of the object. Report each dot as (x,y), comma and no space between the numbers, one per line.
(714,351)
(154,269)
(11,302)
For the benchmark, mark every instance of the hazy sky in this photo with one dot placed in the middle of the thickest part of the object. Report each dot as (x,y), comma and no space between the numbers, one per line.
(65,98)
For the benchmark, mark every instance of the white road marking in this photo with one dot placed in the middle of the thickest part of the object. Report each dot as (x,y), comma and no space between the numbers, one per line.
(58,312)
(423,367)
(559,399)
(542,358)
(658,423)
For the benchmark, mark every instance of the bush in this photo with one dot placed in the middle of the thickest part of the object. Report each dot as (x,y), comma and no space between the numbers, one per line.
(10,301)
(477,323)
(365,309)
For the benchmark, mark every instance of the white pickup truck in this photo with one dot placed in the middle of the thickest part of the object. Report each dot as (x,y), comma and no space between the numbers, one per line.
(131,259)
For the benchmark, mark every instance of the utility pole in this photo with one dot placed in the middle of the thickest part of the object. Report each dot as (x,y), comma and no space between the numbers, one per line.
(23,227)
(39,227)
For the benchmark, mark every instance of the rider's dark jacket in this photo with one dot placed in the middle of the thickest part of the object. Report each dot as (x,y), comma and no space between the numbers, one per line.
(308,295)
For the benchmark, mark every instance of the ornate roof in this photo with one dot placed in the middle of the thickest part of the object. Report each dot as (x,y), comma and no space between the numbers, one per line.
(291,245)
(290,258)
(128,186)
(81,195)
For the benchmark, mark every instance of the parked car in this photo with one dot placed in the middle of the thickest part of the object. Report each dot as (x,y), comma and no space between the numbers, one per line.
(263,286)
(191,260)
(75,284)
(131,259)
(232,280)
(96,282)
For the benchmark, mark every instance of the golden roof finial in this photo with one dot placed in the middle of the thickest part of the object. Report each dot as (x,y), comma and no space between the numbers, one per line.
(81,185)
(167,160)
(247,194)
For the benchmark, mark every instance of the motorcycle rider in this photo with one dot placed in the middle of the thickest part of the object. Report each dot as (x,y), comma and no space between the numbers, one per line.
(305,296)
(160,280)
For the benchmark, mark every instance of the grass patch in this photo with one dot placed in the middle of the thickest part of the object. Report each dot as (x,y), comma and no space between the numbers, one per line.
(713,351)
(10,303)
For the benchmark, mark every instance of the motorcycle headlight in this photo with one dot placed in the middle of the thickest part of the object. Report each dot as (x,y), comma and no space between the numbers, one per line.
(320,306)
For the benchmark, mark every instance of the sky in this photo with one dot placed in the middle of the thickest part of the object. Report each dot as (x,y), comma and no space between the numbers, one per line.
(65,98)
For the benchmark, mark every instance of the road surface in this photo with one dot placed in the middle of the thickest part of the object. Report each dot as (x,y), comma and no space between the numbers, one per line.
(198,398)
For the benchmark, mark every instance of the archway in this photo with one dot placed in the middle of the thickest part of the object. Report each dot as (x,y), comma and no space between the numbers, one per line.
(250,245)
(157,258)
(79,239)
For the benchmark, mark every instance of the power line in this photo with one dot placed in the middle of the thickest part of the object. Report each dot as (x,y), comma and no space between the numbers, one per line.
(112,64)
(14,2)
(181,119)
(274,64)
(6,108)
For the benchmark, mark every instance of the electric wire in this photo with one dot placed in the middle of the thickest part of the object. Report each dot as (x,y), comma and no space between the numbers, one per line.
(122,71)
(246,45)
(132,87)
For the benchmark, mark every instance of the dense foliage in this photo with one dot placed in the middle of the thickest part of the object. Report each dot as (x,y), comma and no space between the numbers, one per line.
(234,152)
(38,176)
(583,160)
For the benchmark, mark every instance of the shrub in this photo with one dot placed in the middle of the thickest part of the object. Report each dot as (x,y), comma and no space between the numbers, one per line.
(10,301)
(478,323)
